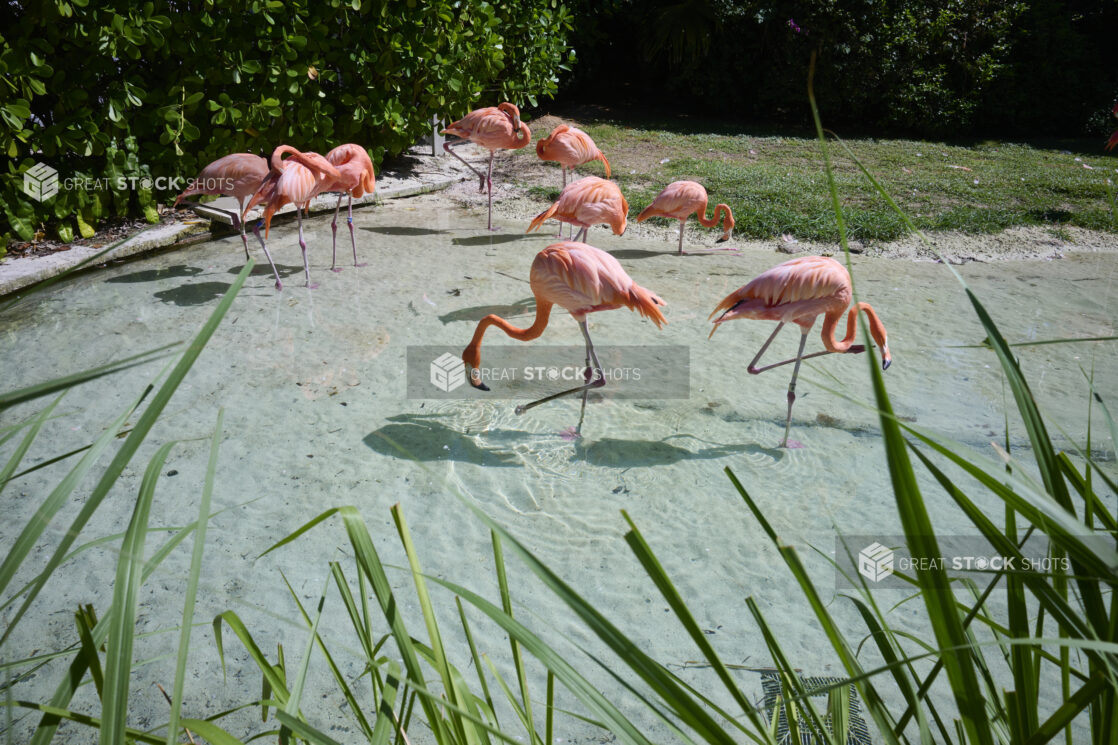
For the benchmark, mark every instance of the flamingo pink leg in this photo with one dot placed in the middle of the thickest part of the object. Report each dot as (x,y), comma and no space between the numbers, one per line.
(352,239)
(597,380)
(256,231)
(447,147)
(334,229)
(303,246)
(784,443)
(489,182)
(701,250)
(238,222)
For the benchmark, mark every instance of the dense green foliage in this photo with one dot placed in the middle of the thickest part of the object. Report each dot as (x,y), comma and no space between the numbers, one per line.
(109,91)
(928,67)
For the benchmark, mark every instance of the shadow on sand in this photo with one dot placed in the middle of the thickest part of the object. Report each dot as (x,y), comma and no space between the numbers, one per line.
(478,312)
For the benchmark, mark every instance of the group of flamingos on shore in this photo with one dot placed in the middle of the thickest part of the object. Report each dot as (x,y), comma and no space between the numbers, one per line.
(572,274)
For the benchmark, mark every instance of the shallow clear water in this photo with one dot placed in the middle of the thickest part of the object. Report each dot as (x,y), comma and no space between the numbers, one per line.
(316,415)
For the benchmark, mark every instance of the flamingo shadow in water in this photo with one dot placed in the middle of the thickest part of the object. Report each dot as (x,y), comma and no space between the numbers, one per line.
(403,230)
(614,453)
(198,293)
(420,438)
(478,312)
(634,253)
(488,240)
(154,275)
(283,271)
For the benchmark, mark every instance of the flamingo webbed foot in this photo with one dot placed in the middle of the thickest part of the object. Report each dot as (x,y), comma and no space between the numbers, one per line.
(336,269)
(792,445)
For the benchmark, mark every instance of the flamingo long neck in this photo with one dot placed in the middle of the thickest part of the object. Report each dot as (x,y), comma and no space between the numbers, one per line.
(831,321)
(277,156)
(472,355)
(719,213)
(523,135)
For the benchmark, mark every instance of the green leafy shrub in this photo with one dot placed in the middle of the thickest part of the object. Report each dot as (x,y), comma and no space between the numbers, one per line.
(926,67)
(127,97)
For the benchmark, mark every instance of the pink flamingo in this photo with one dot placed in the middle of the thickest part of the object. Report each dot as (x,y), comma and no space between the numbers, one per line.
(494,128)
(581,279)
(569,147)
(798,291)
(679,200)
(297,180)
(587,202)
(238,175)
(358,178)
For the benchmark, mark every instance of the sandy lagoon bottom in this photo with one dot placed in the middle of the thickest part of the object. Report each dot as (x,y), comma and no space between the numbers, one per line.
(313,384)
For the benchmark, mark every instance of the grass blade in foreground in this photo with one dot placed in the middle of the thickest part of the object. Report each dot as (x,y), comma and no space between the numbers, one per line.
(919,534)
(139,433)
(192,581)
(126,589)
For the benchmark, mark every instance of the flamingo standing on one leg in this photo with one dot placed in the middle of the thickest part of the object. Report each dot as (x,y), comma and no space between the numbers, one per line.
(238,175)
(569,147)
(798,291)
(358,178)
(494,128)
(298,180)
(679,200)
(581,279)
(587,202)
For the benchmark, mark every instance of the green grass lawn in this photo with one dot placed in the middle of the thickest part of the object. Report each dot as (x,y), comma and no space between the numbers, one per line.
(776,184)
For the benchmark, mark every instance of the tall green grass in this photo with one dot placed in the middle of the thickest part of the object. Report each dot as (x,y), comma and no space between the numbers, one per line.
(103,644)
(984,676)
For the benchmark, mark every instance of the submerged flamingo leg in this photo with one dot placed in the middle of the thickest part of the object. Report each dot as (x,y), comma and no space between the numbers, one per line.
(456,143)
(582,233)
(256,231)
(334,230)
(784,443)
(597,380)
(681,224)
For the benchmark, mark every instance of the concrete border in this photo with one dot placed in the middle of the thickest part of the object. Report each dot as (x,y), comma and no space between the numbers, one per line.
(424,173)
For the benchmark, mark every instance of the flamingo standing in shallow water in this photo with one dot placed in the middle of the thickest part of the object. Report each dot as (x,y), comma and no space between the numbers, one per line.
(298,180)
(681,199)
(798,291)
(587,202)
(581,279)
(569,147)
(494,128)
(358,178)
(238,175)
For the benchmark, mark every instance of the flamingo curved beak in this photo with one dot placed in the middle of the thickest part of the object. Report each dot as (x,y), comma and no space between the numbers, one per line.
(475,381)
